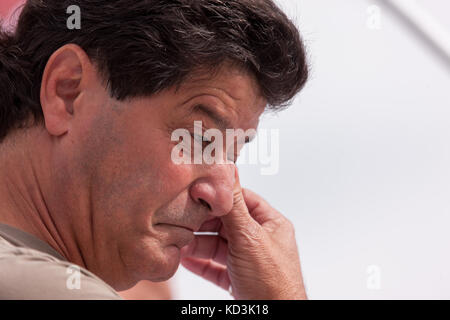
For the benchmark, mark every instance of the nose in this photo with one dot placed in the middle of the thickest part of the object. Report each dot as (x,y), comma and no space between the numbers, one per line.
(214,189)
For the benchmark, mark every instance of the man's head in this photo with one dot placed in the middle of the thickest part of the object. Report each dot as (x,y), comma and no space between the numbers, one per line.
(106,98)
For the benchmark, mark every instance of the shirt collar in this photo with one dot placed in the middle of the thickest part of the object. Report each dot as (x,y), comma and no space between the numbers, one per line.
(23,239)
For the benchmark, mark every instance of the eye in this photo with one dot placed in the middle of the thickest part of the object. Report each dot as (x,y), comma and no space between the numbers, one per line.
(200,138)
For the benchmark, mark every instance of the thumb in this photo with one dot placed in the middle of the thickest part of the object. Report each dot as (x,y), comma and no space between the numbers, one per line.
(239,221)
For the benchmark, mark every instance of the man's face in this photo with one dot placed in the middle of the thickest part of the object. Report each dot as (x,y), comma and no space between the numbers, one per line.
(141,207)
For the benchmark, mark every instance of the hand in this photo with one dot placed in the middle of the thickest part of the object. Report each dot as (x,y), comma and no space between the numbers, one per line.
(255,253)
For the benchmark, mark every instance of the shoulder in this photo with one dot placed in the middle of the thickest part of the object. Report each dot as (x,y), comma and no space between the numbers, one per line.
(30,274)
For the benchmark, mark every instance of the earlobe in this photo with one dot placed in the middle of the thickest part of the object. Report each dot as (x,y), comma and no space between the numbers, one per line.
(61,85)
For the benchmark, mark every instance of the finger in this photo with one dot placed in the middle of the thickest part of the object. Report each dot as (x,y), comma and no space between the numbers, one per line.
(208,270)
(259,208)
(207,247)
(238,220)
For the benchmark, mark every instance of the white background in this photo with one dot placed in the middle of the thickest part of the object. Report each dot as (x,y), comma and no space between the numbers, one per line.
(364,159)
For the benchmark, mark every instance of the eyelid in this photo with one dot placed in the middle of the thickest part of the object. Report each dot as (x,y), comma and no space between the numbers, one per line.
(208,110)
(233,157)
(197,137)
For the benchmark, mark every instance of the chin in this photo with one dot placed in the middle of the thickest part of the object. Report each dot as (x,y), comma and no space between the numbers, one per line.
(171,263)
(162,266)
(151,259)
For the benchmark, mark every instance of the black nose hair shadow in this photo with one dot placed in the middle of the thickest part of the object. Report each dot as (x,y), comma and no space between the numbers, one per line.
(206,204)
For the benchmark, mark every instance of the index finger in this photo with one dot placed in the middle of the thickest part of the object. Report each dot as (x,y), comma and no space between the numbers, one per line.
(239,220)
(259,208)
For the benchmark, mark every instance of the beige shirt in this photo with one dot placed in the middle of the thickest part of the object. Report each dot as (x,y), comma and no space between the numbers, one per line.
(30,269)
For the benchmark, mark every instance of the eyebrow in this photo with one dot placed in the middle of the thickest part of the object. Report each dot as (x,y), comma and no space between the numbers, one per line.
(222,123)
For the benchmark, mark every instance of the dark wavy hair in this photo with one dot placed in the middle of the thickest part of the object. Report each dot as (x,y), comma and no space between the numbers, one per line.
(141,47)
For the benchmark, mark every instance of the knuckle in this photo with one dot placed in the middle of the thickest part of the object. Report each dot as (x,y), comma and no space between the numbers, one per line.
(238,199)
(253,233)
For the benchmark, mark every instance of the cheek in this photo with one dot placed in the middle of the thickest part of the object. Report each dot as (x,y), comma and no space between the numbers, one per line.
(143,176)
(175,178)
(170,178)
(137,174)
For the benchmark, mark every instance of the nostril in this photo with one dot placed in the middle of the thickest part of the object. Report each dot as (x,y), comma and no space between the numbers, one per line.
(206,204)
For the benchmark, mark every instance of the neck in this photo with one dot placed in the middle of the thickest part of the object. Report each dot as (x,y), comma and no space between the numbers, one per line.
(25,181)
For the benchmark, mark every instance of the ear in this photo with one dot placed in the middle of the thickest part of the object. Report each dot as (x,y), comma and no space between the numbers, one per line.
(61,86)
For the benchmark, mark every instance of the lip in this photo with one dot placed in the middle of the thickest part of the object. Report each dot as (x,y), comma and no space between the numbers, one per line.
(181,238)
(177,226)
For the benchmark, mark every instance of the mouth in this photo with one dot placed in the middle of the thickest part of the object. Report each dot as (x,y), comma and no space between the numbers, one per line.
(179,238)
(183,227)
(178,226)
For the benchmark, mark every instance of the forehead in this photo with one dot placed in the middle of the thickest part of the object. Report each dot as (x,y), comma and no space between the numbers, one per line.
(236,93)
